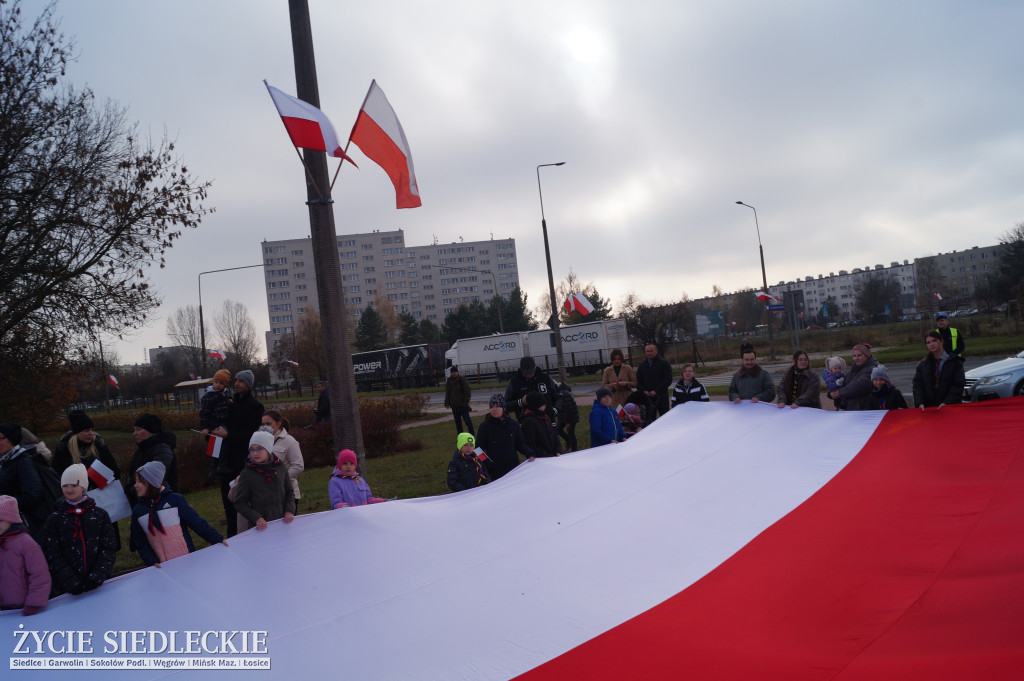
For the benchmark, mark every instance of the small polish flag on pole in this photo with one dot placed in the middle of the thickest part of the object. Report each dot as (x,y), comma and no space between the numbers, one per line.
(293,363)
(937,296)
(213,444)
(100,474)
(113,381)
(307,126)
(218,355)
(761,295)
(191,376)
(380,136)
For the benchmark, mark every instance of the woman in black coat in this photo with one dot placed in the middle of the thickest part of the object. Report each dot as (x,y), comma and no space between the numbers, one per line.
(939,379)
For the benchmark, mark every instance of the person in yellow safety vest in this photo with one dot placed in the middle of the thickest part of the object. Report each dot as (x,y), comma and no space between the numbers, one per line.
(952,339)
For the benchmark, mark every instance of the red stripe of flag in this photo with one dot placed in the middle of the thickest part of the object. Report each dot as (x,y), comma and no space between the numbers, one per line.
(904,566)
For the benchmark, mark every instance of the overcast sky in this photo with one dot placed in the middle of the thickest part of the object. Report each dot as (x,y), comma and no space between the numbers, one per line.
(862,132)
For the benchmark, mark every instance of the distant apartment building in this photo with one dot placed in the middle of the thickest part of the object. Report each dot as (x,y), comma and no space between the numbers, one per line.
(958,275)
(428,281)
(843,287)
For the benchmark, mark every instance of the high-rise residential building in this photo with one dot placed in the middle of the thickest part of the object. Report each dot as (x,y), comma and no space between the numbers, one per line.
(957,276)
(428,281)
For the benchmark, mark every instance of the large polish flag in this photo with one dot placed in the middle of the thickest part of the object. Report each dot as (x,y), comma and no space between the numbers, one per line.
(307,126)
(380,136)
(723,542)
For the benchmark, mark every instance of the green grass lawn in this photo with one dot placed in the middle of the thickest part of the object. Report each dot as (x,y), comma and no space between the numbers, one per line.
(407,475)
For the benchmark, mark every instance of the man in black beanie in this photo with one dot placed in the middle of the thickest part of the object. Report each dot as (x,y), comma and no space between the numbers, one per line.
(153,444)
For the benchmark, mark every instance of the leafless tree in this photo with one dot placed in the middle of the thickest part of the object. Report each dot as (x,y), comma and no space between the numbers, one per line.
(237,333)
(183,329)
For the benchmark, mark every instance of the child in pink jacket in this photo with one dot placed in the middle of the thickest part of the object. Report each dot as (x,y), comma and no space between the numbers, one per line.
(24,575)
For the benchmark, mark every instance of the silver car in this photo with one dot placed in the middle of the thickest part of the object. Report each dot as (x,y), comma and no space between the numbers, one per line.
(1004,378)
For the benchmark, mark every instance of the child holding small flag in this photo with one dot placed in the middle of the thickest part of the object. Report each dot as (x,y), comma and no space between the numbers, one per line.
(345,487)
(81,544)
(162,519)
(466,471)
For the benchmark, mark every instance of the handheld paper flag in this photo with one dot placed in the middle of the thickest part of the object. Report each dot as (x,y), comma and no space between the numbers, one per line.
(213,444)
(100,474)
(379,135)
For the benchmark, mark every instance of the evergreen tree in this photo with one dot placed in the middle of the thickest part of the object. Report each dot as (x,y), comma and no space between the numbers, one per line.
(430,332)
(410,333)
(371,334)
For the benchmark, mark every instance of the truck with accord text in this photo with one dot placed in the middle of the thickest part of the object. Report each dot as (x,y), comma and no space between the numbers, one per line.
(585,348)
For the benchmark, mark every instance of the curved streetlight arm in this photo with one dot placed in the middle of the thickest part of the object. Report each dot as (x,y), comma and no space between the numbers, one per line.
(202,326)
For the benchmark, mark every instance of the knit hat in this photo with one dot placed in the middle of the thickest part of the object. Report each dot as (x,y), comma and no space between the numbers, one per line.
(79,421)
(864,348)
(630,408)
(880,372)
(153,473)
(347,456)
(603,392)
(9,509)
(262,438)
(223,375)
(453,370)
(527,365)
(534,401)
(11,432)
(75,474)
(149,422)
(246,377)
(464,439)
(497,399)
(833,362)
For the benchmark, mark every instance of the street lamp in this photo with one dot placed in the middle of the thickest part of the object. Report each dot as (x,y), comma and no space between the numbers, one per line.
(764,280)
(202,327)
(553,321)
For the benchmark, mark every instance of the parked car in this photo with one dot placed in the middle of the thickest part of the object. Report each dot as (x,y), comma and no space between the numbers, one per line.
(1004,378)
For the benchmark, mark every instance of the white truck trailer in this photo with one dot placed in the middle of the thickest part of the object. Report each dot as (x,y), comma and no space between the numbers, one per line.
(585,348)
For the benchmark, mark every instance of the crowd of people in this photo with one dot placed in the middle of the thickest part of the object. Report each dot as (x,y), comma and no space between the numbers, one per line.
(55,538)
(629,400)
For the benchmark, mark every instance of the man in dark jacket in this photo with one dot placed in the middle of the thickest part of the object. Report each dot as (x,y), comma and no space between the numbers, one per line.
(653,377)
(530,379)
(568,417)
(19,479)
(456,397)
(243,420)
(939,379)
(153,443)
(500,437)
(323,403)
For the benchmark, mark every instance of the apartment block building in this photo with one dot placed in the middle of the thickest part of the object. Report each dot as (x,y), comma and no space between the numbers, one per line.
(843,287)
(958,275)
(428,281)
